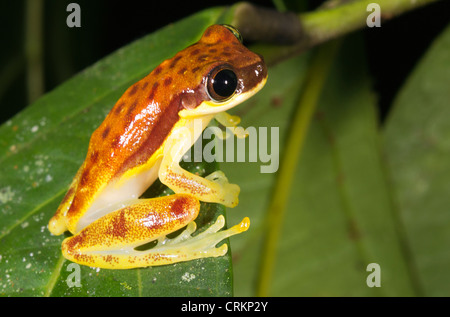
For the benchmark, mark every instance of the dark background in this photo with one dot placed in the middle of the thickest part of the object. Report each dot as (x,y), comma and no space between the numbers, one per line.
(106,25)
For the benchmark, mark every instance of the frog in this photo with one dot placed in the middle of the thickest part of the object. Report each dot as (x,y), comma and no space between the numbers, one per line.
(143,138)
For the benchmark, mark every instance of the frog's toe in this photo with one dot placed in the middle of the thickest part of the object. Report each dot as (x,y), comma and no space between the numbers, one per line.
(229,192)
(217,177)
(231,195)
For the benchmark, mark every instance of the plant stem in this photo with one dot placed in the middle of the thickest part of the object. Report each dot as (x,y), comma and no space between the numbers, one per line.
(306,30)
(317,74)
(325,24)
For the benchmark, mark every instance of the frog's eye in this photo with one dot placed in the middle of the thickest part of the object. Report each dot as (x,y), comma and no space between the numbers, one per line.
(221,84)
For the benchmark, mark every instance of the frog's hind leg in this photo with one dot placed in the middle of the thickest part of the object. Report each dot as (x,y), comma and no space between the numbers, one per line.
(111,242)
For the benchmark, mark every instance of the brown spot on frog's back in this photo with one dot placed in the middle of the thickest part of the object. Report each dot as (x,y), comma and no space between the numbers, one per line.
(175,60)
(167,81)
(202,58)
(195,52)
(133,89)
(207,32)
(119,108)
(151,96)
(94,157)
(132,107)
(84,179)
(106,132)
(182,71)
(115,143)
(157,70)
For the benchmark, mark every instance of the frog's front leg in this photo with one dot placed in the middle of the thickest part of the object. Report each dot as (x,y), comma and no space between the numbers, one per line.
(214,188)
(111,241)
(231,123)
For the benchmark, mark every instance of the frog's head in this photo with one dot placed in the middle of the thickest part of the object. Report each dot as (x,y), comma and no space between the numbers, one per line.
(226,73)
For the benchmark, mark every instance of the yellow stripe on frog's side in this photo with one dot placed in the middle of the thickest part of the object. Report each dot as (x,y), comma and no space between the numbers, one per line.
(153,160)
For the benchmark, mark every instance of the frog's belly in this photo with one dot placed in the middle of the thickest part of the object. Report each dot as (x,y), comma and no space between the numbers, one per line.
(114,197)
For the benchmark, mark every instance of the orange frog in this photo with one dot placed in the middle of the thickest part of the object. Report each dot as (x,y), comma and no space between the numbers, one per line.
(144,137)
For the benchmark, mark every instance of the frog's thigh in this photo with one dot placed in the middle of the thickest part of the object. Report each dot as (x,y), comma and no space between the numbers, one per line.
(214,188)
(111,241)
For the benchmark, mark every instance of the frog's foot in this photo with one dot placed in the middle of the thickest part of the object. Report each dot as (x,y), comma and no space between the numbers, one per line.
(229,192)
(227,120)
(231,123)
(113,241)
(186,247)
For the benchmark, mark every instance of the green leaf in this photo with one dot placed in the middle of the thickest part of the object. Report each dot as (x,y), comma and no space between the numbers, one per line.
(40,151)
(417,146)
(339,216)
(361,195)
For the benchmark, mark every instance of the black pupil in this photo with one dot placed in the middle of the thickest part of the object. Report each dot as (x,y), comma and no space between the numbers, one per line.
(225,83)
